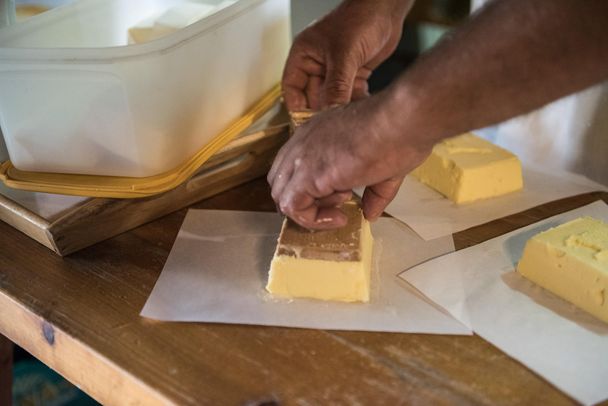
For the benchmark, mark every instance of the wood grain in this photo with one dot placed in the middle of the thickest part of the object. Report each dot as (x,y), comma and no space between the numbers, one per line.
(89,304)
(97,219)
(25,221)
(241,161)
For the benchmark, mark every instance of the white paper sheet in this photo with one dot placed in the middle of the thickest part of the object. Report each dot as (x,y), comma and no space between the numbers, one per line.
(480,287)
(217,271)
(431,215)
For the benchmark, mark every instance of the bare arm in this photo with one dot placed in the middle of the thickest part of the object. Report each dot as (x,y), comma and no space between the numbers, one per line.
(511,57)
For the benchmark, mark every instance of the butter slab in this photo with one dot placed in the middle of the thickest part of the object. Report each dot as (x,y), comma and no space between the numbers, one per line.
(173,19)
(467,168)
(325,265)
(571,261)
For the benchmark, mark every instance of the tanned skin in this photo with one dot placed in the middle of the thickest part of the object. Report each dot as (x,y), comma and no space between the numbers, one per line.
(509,58)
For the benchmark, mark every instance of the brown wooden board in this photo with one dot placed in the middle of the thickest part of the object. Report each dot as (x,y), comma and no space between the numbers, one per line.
(80,315)
(96,219)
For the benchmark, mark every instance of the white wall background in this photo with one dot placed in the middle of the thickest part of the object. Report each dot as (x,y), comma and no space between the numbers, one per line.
(303,12)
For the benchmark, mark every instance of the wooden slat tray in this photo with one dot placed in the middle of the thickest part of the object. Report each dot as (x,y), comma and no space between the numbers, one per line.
(87,221)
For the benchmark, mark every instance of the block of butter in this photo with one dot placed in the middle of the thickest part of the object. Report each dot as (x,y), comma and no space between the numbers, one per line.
(468,168)
(173,19)
(571,260)
(297,118)
(326,265)
(25,11)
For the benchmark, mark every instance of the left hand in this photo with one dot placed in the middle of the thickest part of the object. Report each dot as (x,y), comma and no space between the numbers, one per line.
(331,60)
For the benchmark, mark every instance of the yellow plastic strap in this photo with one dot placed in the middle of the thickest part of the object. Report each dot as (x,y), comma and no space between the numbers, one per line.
(127,187)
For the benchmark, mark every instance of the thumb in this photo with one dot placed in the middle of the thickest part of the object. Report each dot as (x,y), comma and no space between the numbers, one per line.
(377,197)
(339,80)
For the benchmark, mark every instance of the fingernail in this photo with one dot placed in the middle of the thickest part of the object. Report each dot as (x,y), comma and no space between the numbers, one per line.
(372,217)
(324,220)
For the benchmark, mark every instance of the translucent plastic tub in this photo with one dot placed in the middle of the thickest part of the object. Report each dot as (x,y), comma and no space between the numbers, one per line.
(74,98)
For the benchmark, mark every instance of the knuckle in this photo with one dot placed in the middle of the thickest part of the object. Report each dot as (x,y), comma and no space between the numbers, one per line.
(339,86)
(322,186)
(286,208)
(270,177)
(337,176)
(275,196)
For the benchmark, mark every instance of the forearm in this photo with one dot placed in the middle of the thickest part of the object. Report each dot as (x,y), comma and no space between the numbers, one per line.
(397,8)
(512,57)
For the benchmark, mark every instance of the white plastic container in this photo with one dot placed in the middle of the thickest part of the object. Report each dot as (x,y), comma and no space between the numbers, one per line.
(74,98)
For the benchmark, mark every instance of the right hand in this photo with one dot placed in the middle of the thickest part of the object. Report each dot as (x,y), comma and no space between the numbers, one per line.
(330,61)
(364,143)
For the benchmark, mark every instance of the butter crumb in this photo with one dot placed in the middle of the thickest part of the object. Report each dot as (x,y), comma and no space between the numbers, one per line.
(602,256)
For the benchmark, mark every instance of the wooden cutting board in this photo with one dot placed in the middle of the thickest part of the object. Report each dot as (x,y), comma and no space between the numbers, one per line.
(86,221)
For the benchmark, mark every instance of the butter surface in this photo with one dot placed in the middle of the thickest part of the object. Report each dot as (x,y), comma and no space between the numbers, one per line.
(571,260)
(468,168)
(173,19)
(325,265)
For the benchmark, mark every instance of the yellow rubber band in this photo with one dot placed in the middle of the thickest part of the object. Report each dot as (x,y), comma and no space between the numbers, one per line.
(128,187)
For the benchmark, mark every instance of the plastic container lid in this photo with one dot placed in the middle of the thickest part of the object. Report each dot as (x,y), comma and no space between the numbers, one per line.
(129,187)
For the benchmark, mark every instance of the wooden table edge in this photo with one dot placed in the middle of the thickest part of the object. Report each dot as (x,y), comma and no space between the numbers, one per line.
(72,359)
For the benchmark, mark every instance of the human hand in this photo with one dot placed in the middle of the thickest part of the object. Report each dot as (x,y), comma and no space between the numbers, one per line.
(330,61)
(356,145)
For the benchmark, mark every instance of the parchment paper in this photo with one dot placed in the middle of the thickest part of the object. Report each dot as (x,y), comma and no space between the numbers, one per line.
(217,271)
(480,287)
(431,215)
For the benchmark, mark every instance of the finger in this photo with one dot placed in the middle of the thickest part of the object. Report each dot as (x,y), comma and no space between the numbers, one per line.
(335,200)
(276,164)
(301,208)
(299,202)
(293,86)
(377,197)
(279,168)
(298,68)
(360,89)
(339,80)
(295,98)
(281,172)
(281,180)
(313,92)
(279,158)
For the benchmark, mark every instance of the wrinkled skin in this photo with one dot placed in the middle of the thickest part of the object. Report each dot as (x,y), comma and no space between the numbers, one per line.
(339,150)
(491,68)
(329,65)
(330,61)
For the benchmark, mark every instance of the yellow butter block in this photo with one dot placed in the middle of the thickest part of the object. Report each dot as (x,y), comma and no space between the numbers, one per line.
(468,168)
(175,18)
(571,260)
(325,265)
(144,33)
(25,11)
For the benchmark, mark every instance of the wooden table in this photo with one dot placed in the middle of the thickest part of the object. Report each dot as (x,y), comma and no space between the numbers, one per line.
(79,315)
